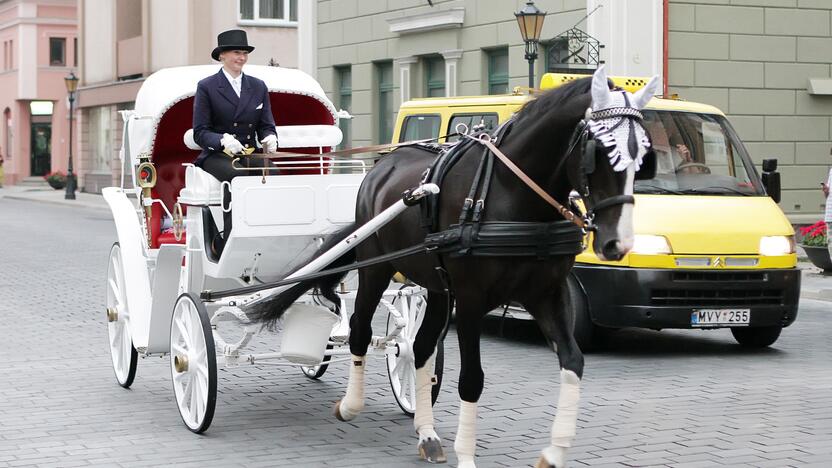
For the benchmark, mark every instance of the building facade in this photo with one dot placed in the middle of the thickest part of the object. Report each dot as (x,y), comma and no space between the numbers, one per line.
(765,63)
(124,41)
(39,50)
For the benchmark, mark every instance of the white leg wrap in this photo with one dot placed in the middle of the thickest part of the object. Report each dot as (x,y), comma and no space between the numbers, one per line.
(466,434)
(423,419)
(566,419)
(353,401)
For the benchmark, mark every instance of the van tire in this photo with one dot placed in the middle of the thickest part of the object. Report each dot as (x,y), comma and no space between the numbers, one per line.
(585,332)
(756,337)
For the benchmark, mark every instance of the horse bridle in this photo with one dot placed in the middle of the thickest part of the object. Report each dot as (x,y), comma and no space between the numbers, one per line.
(588,148)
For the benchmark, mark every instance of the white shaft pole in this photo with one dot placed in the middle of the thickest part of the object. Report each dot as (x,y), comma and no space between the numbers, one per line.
(365,231)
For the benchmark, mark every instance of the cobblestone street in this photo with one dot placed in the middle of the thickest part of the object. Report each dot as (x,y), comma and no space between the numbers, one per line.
(671,398)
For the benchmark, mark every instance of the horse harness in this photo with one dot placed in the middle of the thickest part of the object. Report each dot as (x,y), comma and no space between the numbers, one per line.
(474,237)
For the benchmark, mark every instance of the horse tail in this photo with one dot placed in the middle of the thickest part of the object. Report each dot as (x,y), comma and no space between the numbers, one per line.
(269,310)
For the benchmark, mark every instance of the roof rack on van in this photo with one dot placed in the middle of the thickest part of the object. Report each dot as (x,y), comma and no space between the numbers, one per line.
(628,83)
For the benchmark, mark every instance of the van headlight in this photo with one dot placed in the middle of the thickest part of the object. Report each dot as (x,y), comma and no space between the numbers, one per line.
(776,245)
(647,244)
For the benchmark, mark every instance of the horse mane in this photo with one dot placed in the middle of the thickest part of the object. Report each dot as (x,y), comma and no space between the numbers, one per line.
(555,98)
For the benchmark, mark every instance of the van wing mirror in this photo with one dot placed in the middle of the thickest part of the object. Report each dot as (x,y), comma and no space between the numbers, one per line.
(771,179)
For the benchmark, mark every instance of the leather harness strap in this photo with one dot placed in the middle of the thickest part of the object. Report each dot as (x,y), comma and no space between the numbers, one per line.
(564,211)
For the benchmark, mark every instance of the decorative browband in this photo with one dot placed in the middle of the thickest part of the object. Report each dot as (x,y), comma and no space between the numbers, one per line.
(613,112)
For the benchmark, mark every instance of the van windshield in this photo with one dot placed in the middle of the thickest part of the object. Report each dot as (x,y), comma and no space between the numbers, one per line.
(697,154)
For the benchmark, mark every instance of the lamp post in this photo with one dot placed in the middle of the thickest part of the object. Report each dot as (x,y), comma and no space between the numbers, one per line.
(530,20)
(71,82)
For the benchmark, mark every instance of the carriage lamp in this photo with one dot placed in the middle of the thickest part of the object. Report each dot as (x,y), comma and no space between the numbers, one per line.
(71,82)
(530,20)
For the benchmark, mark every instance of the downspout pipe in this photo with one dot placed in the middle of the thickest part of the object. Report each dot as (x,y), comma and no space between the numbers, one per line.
(665,34)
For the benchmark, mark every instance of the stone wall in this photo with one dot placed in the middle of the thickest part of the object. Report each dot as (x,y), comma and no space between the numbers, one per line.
(754,59)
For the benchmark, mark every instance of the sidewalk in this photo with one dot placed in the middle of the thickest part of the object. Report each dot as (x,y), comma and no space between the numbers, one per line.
(56,197)
(816,284)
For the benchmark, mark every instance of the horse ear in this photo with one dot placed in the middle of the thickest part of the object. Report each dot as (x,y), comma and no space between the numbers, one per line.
(643,96)
(600,89)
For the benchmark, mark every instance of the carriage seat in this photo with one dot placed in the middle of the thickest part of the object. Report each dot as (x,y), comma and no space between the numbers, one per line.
(292,136)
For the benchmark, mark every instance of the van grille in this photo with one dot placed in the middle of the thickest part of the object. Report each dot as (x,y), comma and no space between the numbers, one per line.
(696,289)
(712,297)
(733,276)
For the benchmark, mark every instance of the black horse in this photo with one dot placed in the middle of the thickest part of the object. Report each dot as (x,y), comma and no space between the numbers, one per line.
(545,141)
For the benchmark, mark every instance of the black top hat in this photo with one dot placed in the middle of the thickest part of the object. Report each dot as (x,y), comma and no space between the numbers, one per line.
(233,39)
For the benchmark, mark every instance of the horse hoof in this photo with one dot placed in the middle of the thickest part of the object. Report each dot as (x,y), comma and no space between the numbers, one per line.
(542,463)
(431,451)
(337,412)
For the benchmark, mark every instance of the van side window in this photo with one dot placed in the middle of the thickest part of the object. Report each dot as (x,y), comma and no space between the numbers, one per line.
(419,127)
(487,121)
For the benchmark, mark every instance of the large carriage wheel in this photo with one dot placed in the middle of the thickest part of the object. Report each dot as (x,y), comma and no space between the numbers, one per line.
(123,353)
(193,362)
(401,367)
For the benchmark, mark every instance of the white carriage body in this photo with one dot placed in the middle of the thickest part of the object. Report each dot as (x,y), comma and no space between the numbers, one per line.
(278,220)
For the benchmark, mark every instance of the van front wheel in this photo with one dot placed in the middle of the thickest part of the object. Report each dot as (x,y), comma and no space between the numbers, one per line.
(756,337)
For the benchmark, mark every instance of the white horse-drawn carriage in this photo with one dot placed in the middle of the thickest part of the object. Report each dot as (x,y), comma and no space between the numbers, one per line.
(168,216)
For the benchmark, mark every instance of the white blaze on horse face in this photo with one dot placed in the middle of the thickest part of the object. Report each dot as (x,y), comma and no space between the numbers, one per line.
(625,221)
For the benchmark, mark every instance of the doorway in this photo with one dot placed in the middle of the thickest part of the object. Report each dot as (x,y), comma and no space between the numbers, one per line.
(41,148)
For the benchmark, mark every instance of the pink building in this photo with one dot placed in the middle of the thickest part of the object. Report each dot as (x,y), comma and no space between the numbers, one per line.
(39,40)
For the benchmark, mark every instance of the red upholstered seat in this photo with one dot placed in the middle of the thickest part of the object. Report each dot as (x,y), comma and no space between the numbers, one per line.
(167,237)
(170,152)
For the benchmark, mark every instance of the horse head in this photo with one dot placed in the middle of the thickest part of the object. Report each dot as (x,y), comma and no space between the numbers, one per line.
(614,150)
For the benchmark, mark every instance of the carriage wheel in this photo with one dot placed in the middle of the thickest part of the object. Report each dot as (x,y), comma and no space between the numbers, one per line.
(123,353)
(193,362)
(315,372)
(401,367)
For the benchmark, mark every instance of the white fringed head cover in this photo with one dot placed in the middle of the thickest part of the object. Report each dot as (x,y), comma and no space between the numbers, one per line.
(625,138)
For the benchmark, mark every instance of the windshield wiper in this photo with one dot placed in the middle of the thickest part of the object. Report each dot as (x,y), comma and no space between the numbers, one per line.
(717,191)
(645,188)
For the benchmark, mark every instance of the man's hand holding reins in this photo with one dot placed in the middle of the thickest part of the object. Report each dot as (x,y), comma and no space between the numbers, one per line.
(269,144)
(231,144)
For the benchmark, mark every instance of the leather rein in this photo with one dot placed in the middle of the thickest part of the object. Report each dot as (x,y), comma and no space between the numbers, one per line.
(580,136)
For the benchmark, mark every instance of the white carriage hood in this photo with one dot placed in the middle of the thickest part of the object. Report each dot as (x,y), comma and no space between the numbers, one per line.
(164,88)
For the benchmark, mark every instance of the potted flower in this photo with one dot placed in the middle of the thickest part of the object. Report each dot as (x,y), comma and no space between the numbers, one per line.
(814,243)
(56,179)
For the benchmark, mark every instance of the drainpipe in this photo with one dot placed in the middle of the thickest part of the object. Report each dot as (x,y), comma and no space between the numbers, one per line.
(665,29)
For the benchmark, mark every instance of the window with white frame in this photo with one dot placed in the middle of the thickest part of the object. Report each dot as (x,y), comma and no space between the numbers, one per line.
(268,12)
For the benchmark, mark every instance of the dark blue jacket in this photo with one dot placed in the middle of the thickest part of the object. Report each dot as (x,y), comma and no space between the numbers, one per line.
(218,110)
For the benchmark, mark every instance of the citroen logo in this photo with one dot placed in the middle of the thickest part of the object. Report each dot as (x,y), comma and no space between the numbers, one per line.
(718,262)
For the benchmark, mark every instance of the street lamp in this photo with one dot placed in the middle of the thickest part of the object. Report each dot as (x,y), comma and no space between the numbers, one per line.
(71,82)
(530,20)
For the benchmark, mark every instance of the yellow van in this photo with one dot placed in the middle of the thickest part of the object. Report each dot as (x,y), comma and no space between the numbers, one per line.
(712,248)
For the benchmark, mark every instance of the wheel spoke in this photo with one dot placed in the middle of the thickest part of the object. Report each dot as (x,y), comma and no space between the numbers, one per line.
(202,370)
(411,381)
(178,349)
(194,394)
(183,331)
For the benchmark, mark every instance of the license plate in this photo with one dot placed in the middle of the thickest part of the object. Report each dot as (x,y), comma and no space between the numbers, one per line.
(716,317)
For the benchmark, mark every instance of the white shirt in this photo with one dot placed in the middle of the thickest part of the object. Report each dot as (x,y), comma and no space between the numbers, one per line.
(236,83)
(827,216)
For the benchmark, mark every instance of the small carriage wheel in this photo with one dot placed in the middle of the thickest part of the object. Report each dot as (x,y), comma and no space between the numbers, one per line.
(401,367)
(315,372)
(122,351)
(193,362)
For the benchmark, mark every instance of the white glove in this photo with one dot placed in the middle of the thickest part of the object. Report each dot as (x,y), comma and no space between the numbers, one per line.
(231,144)
(269,144)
